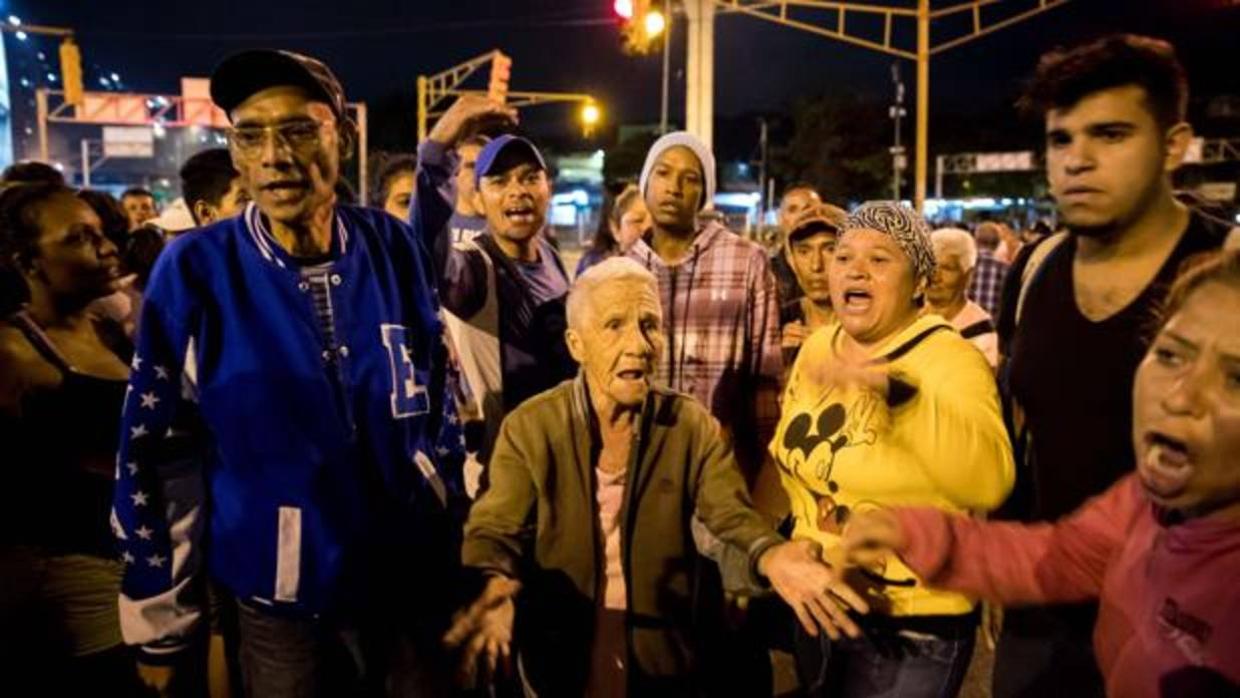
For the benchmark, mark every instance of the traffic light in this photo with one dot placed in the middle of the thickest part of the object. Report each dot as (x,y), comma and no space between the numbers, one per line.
(590,116)
(71,71)
(640,24)
(501,72)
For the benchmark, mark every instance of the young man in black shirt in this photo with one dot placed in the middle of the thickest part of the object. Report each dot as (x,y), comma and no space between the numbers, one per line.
(1082,305)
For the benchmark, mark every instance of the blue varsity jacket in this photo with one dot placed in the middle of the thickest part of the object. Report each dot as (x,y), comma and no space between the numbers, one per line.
(256,445)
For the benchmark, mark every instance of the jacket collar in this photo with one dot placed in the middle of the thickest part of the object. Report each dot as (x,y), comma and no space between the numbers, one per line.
(583,410)
(260,235)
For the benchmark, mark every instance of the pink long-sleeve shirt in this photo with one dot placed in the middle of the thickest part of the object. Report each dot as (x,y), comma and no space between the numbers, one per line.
(1169,593)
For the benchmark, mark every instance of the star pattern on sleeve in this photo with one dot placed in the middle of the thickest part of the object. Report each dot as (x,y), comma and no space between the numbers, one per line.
(152,404)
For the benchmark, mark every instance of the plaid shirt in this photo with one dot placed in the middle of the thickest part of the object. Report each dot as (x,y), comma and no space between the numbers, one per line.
(721,319)
(987,287)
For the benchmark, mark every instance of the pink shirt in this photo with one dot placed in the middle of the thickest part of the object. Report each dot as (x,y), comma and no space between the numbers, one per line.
(1169,615)
(610,497)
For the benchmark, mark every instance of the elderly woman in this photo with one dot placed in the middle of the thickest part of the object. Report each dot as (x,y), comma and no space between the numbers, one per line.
(593,486)
(1161,548)
(955,260)
(889,406)
(810,244)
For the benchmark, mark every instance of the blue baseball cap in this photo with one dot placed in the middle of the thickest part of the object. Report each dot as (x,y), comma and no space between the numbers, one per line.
(514,150)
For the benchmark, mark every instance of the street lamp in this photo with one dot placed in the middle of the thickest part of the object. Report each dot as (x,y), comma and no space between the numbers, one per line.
(655,24)
(591,114)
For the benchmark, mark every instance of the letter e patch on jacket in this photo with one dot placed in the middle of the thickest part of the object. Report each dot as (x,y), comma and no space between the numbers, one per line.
(408,397)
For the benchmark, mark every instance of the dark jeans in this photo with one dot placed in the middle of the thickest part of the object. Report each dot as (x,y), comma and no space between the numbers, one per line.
(899,665)
(1047,651)
(308,658)
(384,639)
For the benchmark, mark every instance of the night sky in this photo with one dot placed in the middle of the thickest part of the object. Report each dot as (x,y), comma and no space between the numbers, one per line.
(377,47)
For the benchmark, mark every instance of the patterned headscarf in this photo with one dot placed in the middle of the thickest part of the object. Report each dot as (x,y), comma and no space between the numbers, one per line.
(904,225)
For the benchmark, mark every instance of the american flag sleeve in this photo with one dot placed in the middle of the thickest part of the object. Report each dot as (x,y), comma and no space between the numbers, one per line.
(157,508)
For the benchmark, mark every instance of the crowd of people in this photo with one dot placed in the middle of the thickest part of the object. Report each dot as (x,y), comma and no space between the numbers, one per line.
(275,444)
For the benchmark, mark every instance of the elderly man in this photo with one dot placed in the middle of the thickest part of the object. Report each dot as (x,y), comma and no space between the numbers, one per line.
(282,430)
(956,260)
(593,484)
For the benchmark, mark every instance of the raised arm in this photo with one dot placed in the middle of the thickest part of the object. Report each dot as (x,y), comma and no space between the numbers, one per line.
(462,274)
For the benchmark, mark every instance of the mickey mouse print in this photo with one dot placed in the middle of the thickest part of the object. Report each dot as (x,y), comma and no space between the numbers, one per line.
(842,447)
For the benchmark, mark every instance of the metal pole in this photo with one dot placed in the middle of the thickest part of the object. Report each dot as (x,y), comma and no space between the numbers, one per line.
(923,102)
(762,200)
(770,196)
(85,162)
(700,69)
(363,178)
(667,50)
(421,108)
(40,99)
(938,176)
(897,149)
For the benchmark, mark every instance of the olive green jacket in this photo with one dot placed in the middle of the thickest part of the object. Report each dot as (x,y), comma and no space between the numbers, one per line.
(538,522)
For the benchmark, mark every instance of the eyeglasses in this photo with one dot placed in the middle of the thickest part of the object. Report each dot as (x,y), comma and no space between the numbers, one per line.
(297,135)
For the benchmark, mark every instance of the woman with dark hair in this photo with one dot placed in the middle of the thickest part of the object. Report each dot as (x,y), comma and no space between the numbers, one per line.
(137,249)
(61,393)
(111,215)
(624,219)
(394,185)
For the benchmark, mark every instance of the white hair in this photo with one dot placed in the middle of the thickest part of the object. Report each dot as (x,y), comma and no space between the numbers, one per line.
(608,271)
(956,242)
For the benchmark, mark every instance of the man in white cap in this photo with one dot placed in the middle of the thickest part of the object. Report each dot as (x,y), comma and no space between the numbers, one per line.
(721,323)
(722,308)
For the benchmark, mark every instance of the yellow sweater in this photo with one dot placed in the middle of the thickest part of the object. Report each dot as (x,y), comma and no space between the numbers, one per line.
(842,450)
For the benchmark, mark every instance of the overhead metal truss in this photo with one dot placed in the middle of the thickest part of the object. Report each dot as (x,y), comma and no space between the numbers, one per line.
(433,89)
(982,17)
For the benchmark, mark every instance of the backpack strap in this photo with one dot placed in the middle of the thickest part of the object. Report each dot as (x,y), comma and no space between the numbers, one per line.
(978,329)
(1034,266)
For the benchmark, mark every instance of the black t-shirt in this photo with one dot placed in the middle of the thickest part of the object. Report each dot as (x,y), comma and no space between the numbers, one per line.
(1072,379)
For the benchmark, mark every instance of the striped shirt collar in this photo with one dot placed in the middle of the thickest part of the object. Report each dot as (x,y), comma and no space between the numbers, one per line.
(266,243)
